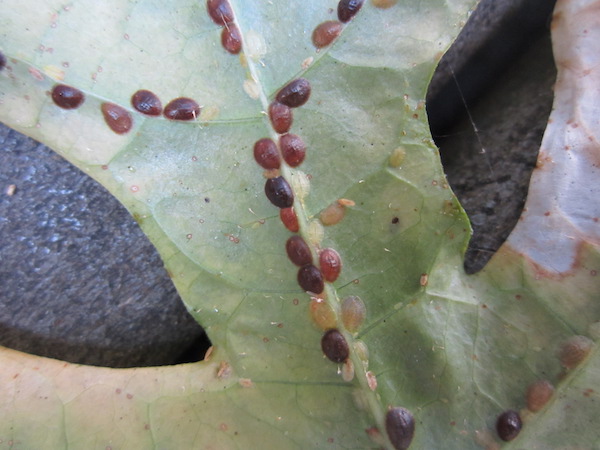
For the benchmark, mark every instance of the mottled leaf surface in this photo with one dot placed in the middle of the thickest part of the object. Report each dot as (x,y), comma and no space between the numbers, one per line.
(455,350)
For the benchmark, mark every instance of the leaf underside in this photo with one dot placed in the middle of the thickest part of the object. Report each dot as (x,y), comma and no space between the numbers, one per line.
(455,350)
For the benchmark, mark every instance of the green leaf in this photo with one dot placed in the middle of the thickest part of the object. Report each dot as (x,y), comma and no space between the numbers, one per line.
(455,350)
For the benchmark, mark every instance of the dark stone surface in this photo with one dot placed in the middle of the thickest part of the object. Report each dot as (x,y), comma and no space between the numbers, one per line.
(78,279)
(79,287)
(489,150)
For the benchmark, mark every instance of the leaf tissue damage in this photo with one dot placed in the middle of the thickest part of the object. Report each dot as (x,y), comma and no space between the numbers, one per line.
(362,252)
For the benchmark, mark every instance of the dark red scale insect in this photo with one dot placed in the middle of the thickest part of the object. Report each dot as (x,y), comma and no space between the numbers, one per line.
(182,108)
(289,219)
(266,154)
(220,11)
(508,425)
(298,251)
(146,102)
(231,39)
(281,117)
(2,61)
(310,279)
(279,192)
(295,93)
(326,33)
(67,97)
(330,263)
(347,9)
(116,117)
(400,427)
(335,346)
(293,149)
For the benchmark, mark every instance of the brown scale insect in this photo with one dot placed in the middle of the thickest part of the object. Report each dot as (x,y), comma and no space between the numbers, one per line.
(508,425)
(353,313)
(146,102)
(293,149)
(281,117)
(279,192)
(538,394)
(347,9)
(400,427)
(322,314)
(310,279)
(326,33)
(116,117)
(266,154)
(335,212)
(231,39)
(67,97)
(294,94)
(574,350)
(289,219)
(330,263)
(182,108)
(298,251)
(335,346)
(220,11)
(2,61)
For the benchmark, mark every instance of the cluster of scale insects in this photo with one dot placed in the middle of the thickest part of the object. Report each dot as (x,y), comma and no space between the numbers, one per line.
(291,150)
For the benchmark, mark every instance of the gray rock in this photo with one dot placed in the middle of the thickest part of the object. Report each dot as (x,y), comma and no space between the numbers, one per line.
(74,285)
